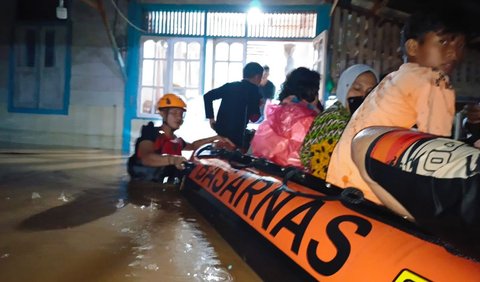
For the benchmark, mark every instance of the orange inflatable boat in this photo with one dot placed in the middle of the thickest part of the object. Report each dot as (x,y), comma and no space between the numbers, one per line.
(331,234)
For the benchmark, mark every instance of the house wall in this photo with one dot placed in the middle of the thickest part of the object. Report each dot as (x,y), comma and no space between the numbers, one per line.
(358,37)
(95,110)
(6,17)
(132,123)
(237,2)
(97,89)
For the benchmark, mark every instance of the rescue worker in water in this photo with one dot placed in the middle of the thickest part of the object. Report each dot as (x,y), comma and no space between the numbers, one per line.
(158,151)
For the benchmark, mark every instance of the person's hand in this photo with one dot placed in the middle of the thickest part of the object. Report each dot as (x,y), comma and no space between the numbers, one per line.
(472,113)
(262,102)
(223,142)
(226,141)
(177,161)
(476,144)
(212,123)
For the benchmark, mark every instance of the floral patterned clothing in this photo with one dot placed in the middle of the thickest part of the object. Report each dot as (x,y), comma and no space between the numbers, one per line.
(323,135)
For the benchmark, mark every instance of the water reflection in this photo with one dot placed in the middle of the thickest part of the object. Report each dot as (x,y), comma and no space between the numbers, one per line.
(173,235)
(89,205)
(72,216)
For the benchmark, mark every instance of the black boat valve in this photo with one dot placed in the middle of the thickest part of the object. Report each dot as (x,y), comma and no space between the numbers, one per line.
(352,195)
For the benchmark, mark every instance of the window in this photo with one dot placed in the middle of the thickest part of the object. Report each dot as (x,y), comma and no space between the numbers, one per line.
(169,66)
(39,76)
(228,62)
(232,24)
(175,22)
(190,51)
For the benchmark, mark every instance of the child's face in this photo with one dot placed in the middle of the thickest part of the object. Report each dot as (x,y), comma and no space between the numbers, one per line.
(442,51)
(174,117)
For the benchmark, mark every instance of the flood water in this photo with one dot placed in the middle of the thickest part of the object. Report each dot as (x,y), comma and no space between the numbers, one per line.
(72,215)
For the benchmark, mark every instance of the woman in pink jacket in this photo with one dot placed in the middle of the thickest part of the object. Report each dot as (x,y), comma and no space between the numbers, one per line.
(281,134)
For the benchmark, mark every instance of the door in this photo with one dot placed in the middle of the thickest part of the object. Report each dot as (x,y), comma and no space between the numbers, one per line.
(39,69)
(320,61)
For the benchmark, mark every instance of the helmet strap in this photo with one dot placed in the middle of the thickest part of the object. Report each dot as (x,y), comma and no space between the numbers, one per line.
(165,126)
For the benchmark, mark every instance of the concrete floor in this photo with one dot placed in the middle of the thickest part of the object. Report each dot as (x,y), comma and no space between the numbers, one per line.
(71,215)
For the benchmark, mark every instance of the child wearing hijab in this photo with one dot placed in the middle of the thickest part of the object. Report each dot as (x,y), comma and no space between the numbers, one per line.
(354,84)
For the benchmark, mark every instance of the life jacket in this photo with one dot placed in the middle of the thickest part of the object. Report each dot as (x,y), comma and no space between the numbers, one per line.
(162,145)
(166,145)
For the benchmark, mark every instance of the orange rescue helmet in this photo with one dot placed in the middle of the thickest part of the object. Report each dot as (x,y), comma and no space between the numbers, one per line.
(170,100)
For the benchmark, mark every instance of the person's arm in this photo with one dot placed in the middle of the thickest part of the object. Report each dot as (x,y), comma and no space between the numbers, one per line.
(360,147)
(472,124)
(271,91)
(208,99)
(212,123)
(253,107)
(148,157)
(196,144)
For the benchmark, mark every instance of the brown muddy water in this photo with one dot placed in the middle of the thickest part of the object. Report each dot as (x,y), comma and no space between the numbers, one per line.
(72,215)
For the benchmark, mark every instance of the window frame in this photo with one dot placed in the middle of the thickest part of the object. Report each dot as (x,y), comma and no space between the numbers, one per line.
(230,42)
(168,83)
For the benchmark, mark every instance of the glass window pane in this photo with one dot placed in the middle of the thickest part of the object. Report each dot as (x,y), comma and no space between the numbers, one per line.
(221,51)
(194,51)
(192,93)
(158,92)
(193,74)
(180,50)
(161,72)
(147,72)
(236,52)
(148,49)
(30,49)
(235,72)
(180,91)
(221,74)
(161,49)
(146,100)
(49,48)
(179,74)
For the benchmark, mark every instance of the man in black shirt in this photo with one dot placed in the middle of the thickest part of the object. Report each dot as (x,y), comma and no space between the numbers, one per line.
(267,90)
(240,103)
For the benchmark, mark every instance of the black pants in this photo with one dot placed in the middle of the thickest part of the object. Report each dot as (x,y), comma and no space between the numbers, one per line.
(155,174)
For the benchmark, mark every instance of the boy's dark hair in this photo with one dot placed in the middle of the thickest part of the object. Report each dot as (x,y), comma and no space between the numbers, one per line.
(301,82)
(252,69)
(441,20)
(266,68)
